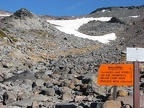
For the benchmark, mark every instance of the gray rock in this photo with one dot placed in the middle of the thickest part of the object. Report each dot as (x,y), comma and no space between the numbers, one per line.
(24,103)
(130,92)
(39,97)
(48,72)
(36,89)
(1,89)
(1,98)
(49,84)
(66,90)
(79,107)
(67,97)
(39,82)
(48,92)
(65,105)
(4,106)
(93,87)
(9,98)
(24,75)
(96,105)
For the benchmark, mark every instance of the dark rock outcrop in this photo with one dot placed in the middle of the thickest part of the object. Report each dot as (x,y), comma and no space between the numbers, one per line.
(22,13)
(115,20)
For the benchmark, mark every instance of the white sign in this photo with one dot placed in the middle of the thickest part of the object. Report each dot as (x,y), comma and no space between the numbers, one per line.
(135,54)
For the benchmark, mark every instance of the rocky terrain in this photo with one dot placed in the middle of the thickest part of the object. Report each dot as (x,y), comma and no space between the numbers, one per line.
(42,67)
(114,12)
(4,13)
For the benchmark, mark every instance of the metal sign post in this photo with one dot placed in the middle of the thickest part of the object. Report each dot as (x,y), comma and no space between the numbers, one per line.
(114,92)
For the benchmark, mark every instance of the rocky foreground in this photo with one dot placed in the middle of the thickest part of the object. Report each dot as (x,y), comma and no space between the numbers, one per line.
(42,67)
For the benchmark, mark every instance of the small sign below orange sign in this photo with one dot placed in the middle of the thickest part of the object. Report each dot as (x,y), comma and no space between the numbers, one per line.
(116,74)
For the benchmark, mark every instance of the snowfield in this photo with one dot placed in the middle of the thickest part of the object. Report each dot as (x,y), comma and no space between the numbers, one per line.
(71,27)
(4,15)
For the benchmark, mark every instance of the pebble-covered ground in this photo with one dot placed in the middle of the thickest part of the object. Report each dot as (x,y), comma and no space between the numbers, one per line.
(42,67)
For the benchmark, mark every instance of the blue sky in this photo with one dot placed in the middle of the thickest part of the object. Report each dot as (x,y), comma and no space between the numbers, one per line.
(64,7)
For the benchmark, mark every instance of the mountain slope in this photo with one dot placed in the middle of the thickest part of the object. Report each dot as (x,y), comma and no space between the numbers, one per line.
(41,66)
(118,11)
(38,40)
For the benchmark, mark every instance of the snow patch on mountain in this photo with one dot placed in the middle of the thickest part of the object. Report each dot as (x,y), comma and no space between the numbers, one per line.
(4,14)
(71,27)
(134,16)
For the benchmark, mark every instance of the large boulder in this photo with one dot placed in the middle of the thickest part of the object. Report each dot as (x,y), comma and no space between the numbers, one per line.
(112,104)
(92,85)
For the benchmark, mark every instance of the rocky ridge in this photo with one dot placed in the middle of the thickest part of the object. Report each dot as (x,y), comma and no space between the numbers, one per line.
(42,67)
(114,11)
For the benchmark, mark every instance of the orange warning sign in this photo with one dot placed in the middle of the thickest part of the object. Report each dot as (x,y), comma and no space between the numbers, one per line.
(116,74)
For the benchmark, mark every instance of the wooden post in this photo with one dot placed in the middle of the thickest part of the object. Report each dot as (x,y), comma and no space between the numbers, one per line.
(136,95)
